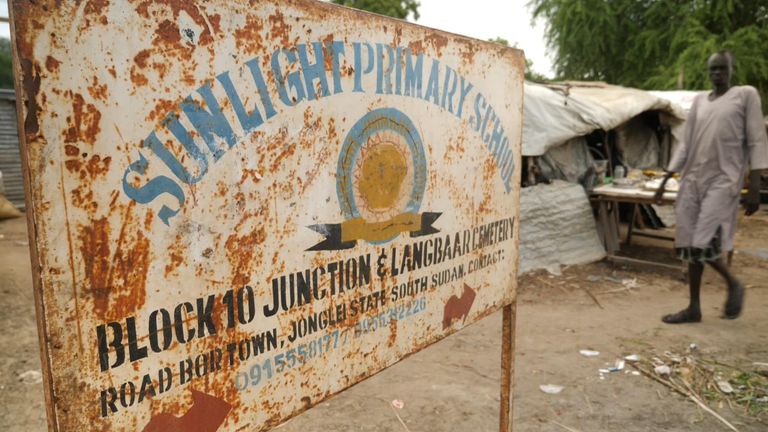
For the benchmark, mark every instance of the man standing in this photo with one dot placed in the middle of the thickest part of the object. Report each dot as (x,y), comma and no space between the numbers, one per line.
(725,131)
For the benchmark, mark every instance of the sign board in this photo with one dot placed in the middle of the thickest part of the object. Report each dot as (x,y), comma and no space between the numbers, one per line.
(238,209)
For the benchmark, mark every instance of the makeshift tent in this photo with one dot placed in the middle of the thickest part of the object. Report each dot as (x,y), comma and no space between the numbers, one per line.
(557,224)
(682,98)
(555,113)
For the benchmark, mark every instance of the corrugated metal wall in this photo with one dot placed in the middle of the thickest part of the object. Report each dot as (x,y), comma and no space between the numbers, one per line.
(10,160)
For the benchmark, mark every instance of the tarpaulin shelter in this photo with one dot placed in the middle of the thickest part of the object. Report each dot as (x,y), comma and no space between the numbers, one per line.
(555,113)
(557,119)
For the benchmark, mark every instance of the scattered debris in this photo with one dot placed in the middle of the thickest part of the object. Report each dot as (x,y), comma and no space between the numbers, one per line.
(629,284)
(724,386)
(614,279)
(632,358)
(396,405)
(689,395)
(706,381)
(551,388)
(21,243)
(589,353)
(618,366)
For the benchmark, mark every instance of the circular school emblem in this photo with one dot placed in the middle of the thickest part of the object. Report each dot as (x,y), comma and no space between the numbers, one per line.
(380,181)
(381,174)
(382,170)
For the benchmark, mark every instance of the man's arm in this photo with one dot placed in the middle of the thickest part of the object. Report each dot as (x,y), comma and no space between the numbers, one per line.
(752,202)
(660,191)
(757,143)
(680,155)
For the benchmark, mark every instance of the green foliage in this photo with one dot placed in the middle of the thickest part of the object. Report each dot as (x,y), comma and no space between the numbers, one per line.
(530,74)
(656,44)
(394,8)
(500,41)
(6,67)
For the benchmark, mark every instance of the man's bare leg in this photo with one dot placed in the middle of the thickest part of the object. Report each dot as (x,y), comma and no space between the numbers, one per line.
(693,312)
(735,301)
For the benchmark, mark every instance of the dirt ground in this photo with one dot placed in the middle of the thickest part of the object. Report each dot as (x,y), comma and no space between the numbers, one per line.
(453,385)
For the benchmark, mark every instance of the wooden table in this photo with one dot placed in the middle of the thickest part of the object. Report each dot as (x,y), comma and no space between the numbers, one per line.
(607,197)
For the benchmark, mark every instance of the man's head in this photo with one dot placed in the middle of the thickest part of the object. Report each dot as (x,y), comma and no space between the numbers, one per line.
(720,65)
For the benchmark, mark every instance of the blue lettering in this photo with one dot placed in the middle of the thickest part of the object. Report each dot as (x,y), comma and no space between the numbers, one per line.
(154,188)
(313,71)
(359,72)
(506,175)
(261,86)
(506,160)
(413,74)
(488,114)
(479,107)
(209,123)
(399,72)
(181,134)
(337,49)
(450,77)
(498,133)
(432,83)
(291,81)
(248,122)
(464,92)
(384,76)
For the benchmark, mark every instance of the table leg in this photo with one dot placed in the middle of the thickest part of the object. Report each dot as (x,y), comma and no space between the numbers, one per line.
(631,225)
(609,234)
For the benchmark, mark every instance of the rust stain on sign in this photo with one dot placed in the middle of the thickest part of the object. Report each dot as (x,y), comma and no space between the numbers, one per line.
(239,209)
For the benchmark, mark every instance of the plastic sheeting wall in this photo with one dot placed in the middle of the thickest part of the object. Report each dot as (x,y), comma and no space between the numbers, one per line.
(557,227)
(10,160)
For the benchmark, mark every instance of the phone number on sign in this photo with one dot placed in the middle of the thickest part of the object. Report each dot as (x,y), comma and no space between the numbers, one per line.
(260,372)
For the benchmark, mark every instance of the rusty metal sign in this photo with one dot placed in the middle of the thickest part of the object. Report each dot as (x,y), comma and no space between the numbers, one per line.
(238,209)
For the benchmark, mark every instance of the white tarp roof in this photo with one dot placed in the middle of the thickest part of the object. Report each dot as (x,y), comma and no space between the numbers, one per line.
(555,113)
(682,98)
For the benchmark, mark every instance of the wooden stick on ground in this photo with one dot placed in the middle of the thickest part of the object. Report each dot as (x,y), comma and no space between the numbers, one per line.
(597,302)
(689,395)
(398,417)
(569,429)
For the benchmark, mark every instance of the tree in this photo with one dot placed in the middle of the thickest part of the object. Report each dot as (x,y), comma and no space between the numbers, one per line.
(655,44)
(530,74)
(394,8)
(6,66)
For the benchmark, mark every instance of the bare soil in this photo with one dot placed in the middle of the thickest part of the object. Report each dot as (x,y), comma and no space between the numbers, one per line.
(454,384)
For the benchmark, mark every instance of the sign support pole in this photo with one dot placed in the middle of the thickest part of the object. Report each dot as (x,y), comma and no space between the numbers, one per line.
(507,366)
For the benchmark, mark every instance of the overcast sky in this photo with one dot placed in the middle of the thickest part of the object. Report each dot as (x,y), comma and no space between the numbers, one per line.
(487,19)
(481,19)
(5,30)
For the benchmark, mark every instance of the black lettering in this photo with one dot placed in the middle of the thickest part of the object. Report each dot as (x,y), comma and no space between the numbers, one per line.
(205,317)
(116,343)
(178,324)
